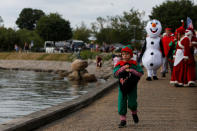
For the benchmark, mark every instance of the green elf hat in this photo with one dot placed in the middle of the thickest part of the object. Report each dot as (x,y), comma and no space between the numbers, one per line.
(127,48)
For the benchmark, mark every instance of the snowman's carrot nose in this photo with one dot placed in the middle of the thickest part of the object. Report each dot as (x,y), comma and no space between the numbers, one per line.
(153,25)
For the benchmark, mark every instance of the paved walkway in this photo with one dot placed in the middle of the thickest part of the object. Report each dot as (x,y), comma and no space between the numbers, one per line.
(161,108)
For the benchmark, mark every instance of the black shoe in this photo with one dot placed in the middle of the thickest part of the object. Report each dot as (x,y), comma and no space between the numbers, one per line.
(192,85)
(155,78)
(122,124)
(163,74)
(148,79)
(135,118)
(177,85)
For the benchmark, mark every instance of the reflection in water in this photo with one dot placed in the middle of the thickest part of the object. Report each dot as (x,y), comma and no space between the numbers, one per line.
(24,92)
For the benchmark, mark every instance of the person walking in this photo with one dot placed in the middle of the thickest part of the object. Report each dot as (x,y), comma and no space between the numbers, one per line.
(168,37)
(128,72)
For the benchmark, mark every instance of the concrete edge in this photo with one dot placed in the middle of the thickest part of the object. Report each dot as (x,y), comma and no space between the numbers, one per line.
(48,115)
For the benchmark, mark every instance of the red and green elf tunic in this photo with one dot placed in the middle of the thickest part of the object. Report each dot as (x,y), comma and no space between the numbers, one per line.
(127,80)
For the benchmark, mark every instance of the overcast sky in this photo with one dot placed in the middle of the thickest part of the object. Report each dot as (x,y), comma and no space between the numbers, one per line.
(75,11)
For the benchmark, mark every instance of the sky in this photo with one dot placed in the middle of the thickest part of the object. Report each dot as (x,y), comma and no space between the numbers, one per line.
(75,11)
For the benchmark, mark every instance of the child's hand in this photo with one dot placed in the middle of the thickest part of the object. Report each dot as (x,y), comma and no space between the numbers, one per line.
(126,66)
(127,70)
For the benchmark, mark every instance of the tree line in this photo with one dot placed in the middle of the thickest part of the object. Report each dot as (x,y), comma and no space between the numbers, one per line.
(128,28)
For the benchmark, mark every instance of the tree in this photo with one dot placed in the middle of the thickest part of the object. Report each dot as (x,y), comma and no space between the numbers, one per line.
(8,38)
(28,18)
(170,13)
(1,21)
(106,35)
(81,33)
(54,28)
(25,35)
(120,28)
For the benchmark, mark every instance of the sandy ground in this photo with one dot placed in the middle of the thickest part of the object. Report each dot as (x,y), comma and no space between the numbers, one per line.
(55,65)
(161,108)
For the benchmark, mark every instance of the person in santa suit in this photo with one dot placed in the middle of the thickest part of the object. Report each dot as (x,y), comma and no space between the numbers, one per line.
(165,41)
(191,76)
(180,67)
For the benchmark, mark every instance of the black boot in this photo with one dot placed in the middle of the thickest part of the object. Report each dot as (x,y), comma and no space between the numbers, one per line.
(148,79)
(135,118)
(177,85)
(155,78)
(122,124)
(192,85)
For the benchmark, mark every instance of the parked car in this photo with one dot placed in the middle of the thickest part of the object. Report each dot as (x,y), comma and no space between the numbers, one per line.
(56,47)
(118,46)
(49,46)
(76,45)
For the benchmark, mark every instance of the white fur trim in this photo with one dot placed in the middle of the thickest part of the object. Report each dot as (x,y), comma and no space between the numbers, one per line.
(193,82)
(173,82)
(194,43)
(188,33)
(185,57)
(181,84)
(176,82)
(179,43)
(182,38)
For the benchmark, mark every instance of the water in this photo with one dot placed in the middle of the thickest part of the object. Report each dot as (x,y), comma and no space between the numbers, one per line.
(24,92)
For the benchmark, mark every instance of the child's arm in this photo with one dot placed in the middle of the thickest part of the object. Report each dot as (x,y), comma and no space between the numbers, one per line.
(136,70)
(118,69)
(139,74)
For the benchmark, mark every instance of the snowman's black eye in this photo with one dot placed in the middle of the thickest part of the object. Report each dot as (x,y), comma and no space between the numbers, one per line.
(156,23)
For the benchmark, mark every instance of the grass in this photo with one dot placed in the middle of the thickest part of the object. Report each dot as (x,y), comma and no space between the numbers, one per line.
(33,56)
(52,57)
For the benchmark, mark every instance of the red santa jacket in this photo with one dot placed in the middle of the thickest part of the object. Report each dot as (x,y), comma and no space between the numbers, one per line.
(165,41)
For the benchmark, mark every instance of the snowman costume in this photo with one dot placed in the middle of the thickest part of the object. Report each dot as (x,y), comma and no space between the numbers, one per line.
(152,52)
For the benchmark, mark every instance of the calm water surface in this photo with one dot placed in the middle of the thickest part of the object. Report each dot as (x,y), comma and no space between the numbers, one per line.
(24,92)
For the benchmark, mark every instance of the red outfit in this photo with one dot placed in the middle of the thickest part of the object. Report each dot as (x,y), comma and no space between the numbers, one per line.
(165,41)
(191,75)
(180,69)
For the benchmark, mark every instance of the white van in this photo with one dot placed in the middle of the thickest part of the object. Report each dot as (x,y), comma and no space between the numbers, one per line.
(49,46)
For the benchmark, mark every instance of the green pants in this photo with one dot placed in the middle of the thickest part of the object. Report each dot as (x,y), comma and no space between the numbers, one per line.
(122,101)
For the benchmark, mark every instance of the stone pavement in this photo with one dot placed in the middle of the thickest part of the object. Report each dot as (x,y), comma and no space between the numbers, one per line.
(161,108)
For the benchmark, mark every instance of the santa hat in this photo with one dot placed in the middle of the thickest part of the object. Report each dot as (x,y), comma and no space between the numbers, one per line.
(127,48)
(168,29)
(181,29)
(190,31)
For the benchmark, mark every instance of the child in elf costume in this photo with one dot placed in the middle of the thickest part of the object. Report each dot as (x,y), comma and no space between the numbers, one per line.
(128,72)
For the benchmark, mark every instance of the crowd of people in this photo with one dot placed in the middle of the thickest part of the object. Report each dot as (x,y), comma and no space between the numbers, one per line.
(179,54)
(175,49)
(27,47)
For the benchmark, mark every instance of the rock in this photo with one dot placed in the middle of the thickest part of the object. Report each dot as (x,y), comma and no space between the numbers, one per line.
(89,77)
(83,72)
(74,76)
(105,76)
(78,65)
(63,74)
